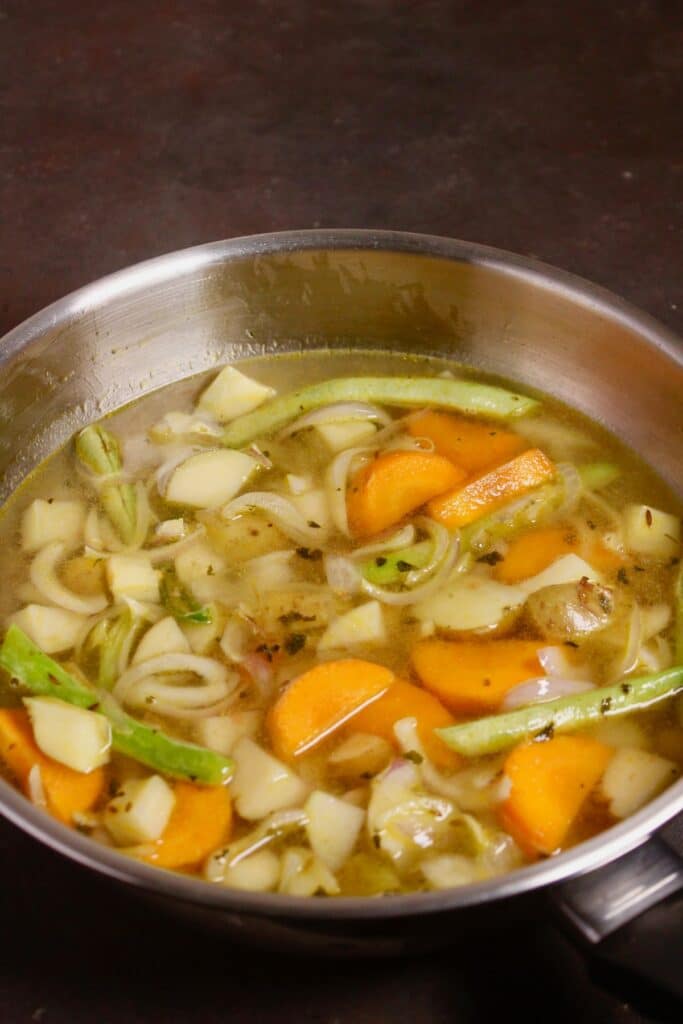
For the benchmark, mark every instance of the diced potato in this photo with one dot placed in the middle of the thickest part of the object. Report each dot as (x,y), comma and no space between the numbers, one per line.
(170,530)
(567,569)
(647,531)
(633,777)
(197,562)
(338,436)
(259,872)
(201,636)
(362,625)
(270,571)
(232,394)
(176,426)
(52,629)
(222,732)
(303,607)
(471,603)
(164,637)
(44,522)
(84,574)
(210,479)
(236,638)
(243,537)
(333,827)
(262,784)
(140,811)
(567,611)
(450,870)
(314,507)
(299,484)
(620,731)
(360,754)
(132,576)
(78,738)
(304,874)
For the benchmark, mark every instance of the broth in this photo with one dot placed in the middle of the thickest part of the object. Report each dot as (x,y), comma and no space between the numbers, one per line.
(394,560)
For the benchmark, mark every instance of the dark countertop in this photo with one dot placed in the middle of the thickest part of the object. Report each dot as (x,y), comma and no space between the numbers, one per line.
(129,129)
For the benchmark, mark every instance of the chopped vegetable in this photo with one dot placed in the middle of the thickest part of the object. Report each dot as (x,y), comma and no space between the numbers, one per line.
(633,777)
(45,522)
(472,677)
(549,784)
(362,625)
(338,436)
(53,629)
(232,394)
(45,677)
(391,567)
(466,396)
(488,735)
(99,450)
(361,754)
(468,603)
(403,700)
(201,819)
(139,811)
(567,569)
(534,551)
(67,792)
(132,576)
(209,479)
(475,446)
(263,784)
(321,700)
(569,611)
(332,828)
(489,492)
(395,484)
(179,602)
(652,533)
(222,732)
(164,637)
(74,736)
(112,639)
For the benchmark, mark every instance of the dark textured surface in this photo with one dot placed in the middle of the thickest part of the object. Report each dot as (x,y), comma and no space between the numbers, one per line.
(129,129)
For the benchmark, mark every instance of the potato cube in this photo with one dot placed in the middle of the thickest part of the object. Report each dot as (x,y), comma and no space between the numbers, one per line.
(44,522)
(140,811)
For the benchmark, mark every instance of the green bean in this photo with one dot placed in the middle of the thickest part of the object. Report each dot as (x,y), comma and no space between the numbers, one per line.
(464,395)
(41,675)
(392,566)
(541,721)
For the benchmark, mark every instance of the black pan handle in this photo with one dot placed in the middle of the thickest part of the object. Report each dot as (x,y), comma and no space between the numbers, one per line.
(630,913)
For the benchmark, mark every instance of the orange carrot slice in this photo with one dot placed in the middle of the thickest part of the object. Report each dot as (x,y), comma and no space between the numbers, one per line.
(403,700)
(533,552)
(394,484)
(67,792)
(550,782)
(474,445)
(321,700)
(488,492)
(200,821)
(471,677)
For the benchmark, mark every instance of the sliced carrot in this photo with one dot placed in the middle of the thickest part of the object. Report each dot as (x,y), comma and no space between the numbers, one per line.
(67,792)
(200,821)
(550,781)
(472,677)
(403,700)
(394,484)
(474,445)
(535,551)
(488,492)
(321,700)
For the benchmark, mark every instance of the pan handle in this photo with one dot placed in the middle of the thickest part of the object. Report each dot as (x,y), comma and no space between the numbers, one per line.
(630,913)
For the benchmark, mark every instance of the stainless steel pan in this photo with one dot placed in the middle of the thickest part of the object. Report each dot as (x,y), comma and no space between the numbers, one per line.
(154,323)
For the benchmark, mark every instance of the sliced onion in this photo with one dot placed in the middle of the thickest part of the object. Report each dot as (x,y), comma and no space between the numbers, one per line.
(402,538)
(336,477)
(218,684)
(342,574)
(555,662)
(261,672)
(279,509)
(167,552)
(538,691)
(634,639)
(44,578)
(441,540)
(419,593)
(183,702)
(338,412)
(178,455)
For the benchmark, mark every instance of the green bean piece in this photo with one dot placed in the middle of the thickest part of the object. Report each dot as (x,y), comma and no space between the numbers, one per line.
(41,675)
(99,450)
(107,638)
(542,721)
(678,622)
(392,566)
(463,395)
(178,602)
